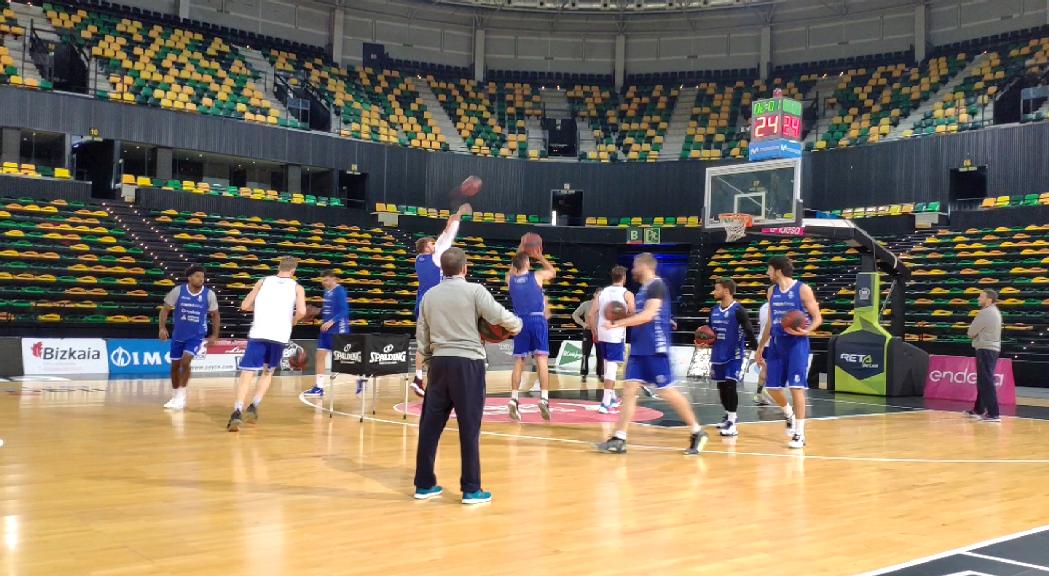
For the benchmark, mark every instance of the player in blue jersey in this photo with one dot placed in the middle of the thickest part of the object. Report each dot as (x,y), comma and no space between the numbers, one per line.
(733,333)
(335,319)
(192,304)
(787,357)
(526,294)
(649,361)
(428,272)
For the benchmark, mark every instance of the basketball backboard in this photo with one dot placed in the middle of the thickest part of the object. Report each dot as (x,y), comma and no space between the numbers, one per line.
(770,192)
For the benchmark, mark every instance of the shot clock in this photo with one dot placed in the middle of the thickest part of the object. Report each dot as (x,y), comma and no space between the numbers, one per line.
(775,128)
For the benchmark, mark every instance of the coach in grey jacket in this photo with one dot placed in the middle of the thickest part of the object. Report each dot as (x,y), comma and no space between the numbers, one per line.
(451,347)
(986,334)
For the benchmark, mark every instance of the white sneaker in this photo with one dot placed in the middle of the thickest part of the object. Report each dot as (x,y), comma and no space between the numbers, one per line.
(796,441)
(171,404)
(728,429)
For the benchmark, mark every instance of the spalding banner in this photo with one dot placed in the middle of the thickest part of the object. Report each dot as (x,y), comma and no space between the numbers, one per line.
(954,378)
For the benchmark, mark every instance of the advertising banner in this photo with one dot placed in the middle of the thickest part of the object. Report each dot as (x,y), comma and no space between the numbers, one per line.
(223,356)
(48,356)
(139,357)
(954,378)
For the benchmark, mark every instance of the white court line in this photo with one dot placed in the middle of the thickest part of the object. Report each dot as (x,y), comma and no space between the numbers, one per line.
(793,455)
(961,550)
(1038,567)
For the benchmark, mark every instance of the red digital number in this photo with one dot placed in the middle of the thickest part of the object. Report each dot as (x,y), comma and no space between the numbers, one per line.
(792,127)
(759,125)
(773,124)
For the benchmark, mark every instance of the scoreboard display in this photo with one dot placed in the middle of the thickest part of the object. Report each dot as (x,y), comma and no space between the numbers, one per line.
(775,118)
(775,128)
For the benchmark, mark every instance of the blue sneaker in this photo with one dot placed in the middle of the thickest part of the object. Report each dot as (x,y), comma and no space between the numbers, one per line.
(478,497)
(360,385)
(616,402)
(315,391)
(606,408)
(427,493)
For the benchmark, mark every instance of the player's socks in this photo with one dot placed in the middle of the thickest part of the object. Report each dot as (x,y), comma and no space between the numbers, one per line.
(515,394)
(545,395)
(732,417)
(238,406)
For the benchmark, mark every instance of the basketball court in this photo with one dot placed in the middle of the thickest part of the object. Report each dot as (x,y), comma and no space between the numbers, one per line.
(881,483)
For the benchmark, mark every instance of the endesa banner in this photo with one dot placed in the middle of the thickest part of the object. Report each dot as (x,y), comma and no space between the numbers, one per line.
(51,356)
(954,378)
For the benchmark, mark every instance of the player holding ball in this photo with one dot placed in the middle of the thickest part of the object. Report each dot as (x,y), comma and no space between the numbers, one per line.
(795,314)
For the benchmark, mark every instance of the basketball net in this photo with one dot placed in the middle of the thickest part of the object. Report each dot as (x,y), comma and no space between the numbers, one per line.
(735,225)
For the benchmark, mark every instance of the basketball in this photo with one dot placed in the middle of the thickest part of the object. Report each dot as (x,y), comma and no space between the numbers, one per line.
(795,320)
(311,314)
(471,186)
(298,358)
(532,244)
(705,336)
(492,333)
(615,311)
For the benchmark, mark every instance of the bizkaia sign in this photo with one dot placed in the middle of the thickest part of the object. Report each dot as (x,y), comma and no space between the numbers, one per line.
(47,356)
(954,378)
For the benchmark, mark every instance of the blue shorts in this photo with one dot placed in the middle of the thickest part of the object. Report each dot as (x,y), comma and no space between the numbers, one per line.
(262,354)
(534,339)
(654,369)
(726,370)
(788,367)
(612,351)
(190,347)
(324,339)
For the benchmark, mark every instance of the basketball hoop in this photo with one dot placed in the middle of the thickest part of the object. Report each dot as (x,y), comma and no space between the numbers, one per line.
(735,225)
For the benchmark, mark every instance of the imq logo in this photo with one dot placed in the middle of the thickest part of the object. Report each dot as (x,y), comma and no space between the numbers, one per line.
(122,358)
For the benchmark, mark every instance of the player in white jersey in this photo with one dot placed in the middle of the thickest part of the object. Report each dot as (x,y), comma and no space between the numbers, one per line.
(761,397)
(277,303)
(611,342)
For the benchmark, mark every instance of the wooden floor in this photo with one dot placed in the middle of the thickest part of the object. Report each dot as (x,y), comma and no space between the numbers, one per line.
(95,478)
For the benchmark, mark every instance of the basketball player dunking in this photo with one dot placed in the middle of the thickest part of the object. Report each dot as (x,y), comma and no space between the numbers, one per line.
(335,318)
(733,332)
(650,358)
(428,271)
(277,303)
(526,293)
(787,361)
(611,342)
